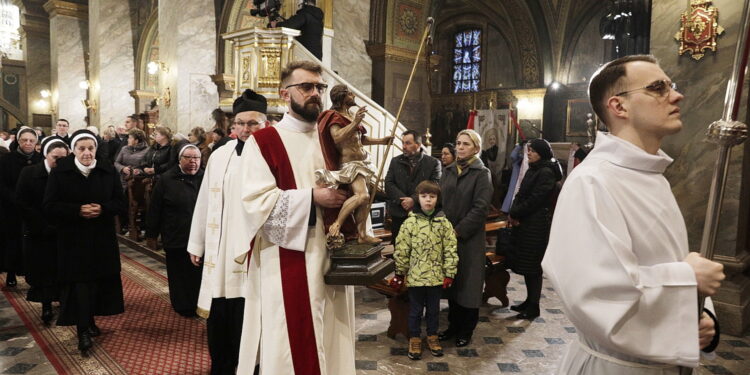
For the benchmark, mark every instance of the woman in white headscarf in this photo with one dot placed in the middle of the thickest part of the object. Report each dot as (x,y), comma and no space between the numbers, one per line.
(84,196)
(39,236)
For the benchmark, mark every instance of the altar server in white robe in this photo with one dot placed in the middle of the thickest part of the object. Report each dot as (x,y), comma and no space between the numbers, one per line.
(219,225)
(618,250)
(294,322)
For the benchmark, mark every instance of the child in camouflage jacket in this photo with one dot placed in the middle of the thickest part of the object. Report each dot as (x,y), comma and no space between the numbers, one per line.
(427,258)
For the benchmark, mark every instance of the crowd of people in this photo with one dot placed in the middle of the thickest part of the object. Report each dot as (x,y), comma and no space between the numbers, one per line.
(240,211)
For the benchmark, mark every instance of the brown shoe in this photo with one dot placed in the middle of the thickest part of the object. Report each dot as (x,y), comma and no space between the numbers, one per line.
(415,348)
(434,344)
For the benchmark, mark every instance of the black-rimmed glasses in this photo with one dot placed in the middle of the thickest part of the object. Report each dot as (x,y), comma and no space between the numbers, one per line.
(307,87)
(660,87)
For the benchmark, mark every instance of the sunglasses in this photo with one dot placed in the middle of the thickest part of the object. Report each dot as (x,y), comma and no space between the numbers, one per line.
(307,87)
(660,87)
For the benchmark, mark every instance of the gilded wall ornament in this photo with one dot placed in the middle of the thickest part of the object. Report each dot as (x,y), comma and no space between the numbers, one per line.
(699,28)
(408,22)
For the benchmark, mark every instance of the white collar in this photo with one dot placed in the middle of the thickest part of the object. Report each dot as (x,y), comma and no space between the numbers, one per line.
(625,154)
(46,166)
(85,171)
(289,122)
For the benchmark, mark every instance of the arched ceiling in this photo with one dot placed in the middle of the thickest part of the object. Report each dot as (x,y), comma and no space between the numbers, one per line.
(554,22)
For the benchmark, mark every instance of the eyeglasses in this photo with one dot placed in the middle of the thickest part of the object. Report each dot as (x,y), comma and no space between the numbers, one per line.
(191,157)
(243,124)
(307,87)
(660,87)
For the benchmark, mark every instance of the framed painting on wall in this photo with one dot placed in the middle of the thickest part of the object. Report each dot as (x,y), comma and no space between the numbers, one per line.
(578,111)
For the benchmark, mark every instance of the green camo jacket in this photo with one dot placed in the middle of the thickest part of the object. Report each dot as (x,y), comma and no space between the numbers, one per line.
(426,250)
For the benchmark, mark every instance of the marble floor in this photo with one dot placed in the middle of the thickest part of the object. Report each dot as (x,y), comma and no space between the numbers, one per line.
(500,344)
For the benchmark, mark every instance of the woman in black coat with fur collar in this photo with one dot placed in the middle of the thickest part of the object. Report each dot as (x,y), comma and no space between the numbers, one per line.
(83,196)
(531,218)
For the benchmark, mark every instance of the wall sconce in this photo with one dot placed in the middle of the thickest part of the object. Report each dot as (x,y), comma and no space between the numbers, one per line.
(153,67)
(84,85)
(165,98)
(45,94)
(89,104)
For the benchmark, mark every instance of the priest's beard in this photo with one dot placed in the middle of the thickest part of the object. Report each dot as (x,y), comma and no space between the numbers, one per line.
(310,110)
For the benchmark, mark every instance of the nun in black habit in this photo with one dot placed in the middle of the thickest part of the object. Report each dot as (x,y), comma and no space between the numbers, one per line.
(11,165)
(83,197)
(39,236)
(169,215)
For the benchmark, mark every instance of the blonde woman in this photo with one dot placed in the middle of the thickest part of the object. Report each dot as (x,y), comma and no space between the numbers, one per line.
(467,189)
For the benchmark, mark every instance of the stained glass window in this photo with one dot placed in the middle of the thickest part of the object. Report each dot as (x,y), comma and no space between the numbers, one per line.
(467,57)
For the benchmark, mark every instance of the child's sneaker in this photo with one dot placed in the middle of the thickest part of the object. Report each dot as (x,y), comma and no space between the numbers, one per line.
(415,348)
(434,344)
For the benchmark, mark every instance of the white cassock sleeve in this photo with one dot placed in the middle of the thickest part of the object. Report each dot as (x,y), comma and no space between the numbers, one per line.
(647,312)
(197,240)
(281,216)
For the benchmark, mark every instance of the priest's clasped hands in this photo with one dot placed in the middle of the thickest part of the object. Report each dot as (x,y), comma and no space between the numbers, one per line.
(90,211)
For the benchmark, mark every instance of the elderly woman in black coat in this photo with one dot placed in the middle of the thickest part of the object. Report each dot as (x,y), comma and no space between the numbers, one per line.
(530,216)
(83,196)
(466,192)
(20,157)
(170,214)
(39,236)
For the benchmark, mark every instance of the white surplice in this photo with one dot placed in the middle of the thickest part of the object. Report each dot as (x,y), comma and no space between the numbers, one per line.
(218,225)
(615,258)
(280,218)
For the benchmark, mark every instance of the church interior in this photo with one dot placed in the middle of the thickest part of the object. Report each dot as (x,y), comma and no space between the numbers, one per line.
(512,70)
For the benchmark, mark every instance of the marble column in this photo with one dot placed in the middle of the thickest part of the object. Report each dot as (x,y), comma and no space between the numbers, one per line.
(68,24)
(187,40)
(111,63)
(35,40)
(703,83)
(350,58)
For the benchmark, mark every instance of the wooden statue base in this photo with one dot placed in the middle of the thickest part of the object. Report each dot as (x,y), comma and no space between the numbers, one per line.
(358,264)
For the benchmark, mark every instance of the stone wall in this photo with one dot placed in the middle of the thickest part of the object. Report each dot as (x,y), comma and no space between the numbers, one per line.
(349,56)
(187,39)
(68,47)
(704,83)
(111,65)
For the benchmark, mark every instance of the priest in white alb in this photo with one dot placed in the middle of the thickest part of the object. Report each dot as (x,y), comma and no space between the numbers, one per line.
(294,323)
(218,226)
(618,251)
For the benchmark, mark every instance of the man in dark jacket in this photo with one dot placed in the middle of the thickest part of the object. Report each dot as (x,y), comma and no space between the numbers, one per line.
(404,174)
(170,214)
(308,20)
(11,260)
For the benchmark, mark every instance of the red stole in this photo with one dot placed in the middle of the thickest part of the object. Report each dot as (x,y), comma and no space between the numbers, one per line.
(294,286)
(332,156)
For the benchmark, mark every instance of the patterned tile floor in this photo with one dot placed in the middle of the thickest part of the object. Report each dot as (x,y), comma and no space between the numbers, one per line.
(500,345)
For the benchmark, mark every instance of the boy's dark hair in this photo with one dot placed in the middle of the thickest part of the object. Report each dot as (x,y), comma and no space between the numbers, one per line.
(428,187)
(607,81)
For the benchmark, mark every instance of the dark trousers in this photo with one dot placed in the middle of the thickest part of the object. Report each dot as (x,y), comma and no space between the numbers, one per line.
(462,320)
(184,281)
(224,328)
(533,289)
(421,298)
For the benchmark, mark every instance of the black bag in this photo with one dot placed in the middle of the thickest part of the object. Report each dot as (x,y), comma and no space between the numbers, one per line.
(504,242)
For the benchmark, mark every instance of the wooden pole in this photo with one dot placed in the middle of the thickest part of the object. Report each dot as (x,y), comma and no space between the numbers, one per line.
(426,34)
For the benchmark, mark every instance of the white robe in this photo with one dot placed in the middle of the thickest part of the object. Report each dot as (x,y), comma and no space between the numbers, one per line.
(280,218)
(615,258)
(219,225)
